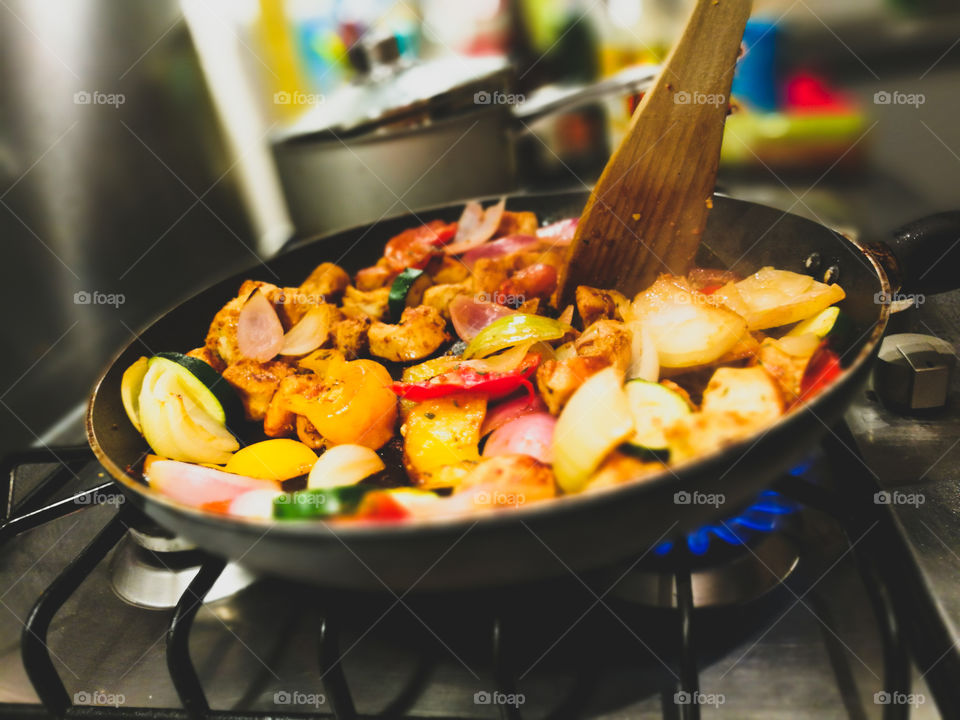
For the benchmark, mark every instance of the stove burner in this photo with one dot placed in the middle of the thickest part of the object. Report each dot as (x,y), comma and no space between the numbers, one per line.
(737,577)
(150,571)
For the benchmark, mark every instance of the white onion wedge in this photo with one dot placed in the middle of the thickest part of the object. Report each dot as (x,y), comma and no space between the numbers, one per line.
(344,465)
(308,334)
(644,361)
(196,485)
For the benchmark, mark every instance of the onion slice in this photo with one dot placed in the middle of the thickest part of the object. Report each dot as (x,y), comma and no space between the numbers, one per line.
(470,316)
(308,334)
(344,465)
(530,434)
(503,413)
(196,485)
(507,245)
(560,233)
(259,332)
(475,226)
(644,361)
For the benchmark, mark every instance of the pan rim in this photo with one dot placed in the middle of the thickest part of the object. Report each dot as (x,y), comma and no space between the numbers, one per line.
(494,519)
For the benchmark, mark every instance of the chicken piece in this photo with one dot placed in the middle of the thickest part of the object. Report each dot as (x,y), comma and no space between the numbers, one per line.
(557,380)
(372,304)
(209,356)
(517,223)
(507,481)
(421,332)
(293,303)
(737,403)
(530,307)
(607,339)
(619,468)
(445,269)
(595,304)
(308,434)
(440,296)
(490,273)
(280,420)
(350,336)
(222,335)
(256,384)
(326,283)
(376,276)
(786,360)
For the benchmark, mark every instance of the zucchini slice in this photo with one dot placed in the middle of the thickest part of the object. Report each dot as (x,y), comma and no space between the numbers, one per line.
(205,385)
(820,324)
(654,407)
(407,291)
(321,503)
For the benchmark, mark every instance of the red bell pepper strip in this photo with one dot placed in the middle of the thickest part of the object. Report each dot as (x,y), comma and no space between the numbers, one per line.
(464,378)
(710,289)
(415,246)
(823,369)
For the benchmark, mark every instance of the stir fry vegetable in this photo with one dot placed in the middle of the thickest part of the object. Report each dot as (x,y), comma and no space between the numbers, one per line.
(347,374)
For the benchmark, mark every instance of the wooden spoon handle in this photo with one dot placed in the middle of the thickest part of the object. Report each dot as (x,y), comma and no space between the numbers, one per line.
(649,207)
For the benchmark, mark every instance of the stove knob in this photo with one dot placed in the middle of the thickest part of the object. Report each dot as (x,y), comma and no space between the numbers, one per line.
(913,372)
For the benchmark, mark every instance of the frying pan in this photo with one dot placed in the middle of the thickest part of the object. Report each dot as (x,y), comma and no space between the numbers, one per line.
(571,533)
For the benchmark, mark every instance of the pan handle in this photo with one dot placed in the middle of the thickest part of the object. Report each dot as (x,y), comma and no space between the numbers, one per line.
(927,254)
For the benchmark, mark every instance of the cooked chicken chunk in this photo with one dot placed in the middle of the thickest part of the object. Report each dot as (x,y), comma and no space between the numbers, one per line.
(557,380)
(439,297)
(595,304)
(256,384)
(376,276)
(508,481)
(326,283)
(445,269)
(350,336)
(372,304)
(618,469)
(517,223)
(607,339)
(280,420)
(421,332)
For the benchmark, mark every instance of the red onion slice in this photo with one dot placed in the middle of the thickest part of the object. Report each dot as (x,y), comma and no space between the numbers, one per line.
(499,248)
(259,332)
(559,233)
(196,485)
(503,413)
(470,316)
(530,434)
(474,229)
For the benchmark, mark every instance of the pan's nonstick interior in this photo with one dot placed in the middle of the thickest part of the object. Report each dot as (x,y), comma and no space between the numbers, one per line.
(535,542)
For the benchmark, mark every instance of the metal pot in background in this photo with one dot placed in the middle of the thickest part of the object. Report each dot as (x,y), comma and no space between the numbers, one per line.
(414,135)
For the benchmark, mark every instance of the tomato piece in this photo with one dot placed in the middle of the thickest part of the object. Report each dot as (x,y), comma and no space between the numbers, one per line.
(414,247)
(379,505)
(710,289)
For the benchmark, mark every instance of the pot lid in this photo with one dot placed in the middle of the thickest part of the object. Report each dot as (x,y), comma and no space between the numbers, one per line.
(390,88)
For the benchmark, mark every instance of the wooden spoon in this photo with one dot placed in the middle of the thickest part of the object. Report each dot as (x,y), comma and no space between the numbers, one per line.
(649,207)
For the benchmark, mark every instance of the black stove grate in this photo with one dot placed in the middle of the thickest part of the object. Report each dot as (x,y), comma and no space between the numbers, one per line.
(36,509)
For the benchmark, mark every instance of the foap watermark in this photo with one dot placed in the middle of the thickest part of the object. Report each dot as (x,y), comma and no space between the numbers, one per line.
(485,697)
(895,497)
(497,97)
(895,97)
(685,97)
(95,297)
(295,297)
(301,498)
(98,697)
(298,98)
(296,697)
(500,498)
(898,698)
(696,497)
(100,498)
(882,298)
(513,300)
(698,698)
(98,97)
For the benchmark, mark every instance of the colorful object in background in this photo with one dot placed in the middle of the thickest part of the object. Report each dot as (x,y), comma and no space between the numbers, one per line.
(755,80)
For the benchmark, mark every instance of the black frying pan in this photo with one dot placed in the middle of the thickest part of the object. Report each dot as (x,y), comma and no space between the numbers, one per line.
(570,533)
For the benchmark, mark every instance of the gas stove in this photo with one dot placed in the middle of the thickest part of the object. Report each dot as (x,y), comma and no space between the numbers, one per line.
(835,595)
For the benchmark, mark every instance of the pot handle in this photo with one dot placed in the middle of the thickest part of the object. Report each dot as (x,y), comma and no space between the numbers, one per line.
(927,253)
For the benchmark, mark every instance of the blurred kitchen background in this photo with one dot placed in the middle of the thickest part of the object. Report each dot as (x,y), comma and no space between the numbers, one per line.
(149,147)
